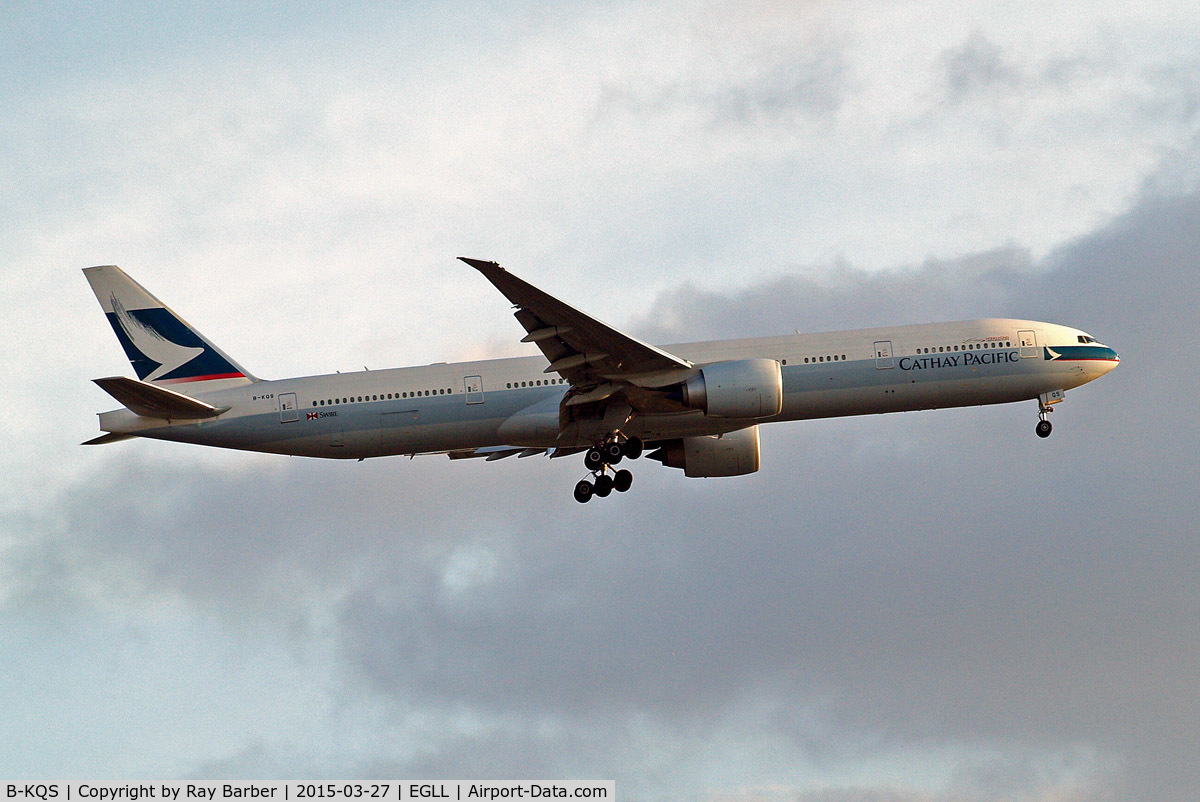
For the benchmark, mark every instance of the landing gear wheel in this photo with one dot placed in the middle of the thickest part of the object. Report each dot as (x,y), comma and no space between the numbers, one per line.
(1044,428)
(613,452)
(593,459)
(633,448)
(622,481)
(604,485)
(584,491)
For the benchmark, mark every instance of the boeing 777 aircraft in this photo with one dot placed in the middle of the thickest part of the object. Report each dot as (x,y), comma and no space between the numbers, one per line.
(595,390)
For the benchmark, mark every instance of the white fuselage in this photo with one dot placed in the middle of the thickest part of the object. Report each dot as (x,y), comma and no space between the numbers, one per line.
(449,407)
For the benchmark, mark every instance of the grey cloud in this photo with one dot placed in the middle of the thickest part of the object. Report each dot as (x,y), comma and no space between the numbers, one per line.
(815,299)
(977,65)
(980,67)
(803,85)
(811,86)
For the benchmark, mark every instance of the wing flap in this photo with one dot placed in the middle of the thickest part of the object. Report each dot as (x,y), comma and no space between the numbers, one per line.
(153,401)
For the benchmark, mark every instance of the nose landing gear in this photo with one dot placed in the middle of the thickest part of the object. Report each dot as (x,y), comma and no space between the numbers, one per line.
(1045,402)
(599,460)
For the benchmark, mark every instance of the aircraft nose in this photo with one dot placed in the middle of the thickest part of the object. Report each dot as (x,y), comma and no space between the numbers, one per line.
(1109,360)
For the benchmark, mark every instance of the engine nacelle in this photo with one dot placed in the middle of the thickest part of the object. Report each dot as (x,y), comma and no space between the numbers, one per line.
(745,388)
(731,454)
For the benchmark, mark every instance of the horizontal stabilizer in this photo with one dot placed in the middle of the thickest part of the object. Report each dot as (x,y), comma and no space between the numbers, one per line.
(110,437)
(153,401)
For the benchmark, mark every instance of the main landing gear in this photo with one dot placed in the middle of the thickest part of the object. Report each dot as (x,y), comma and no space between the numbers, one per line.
(599,460)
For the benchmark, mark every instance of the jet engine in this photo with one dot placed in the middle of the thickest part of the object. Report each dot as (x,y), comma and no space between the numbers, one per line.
(730,454)
(745,388)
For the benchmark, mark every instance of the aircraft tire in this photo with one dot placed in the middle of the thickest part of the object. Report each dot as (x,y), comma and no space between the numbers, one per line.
(633,448)
(593,459)
(622,481)
(604,485)
(584,491)
(1044,428)
(613,452)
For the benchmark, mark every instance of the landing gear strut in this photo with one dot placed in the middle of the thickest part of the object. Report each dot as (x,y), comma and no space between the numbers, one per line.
(599,460)
(1044,426)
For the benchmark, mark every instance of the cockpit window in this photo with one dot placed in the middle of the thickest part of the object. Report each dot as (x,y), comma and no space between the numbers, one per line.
(1083,338)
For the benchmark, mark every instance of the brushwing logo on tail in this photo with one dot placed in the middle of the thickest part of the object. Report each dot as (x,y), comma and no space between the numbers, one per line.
(161,347)
(151,345)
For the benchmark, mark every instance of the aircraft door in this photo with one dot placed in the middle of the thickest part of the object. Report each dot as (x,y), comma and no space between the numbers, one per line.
(883,355)
(288,413)
(473,387)
(1028,341)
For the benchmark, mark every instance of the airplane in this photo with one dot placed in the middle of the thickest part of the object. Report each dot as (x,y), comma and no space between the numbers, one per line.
(593,390)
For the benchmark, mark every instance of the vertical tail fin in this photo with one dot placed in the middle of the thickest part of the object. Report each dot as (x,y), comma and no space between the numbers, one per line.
(162,347)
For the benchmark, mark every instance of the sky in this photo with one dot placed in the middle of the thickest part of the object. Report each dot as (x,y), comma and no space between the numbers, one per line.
(924,607)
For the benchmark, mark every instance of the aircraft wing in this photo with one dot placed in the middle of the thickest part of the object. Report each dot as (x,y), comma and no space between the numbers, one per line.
(587,353)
